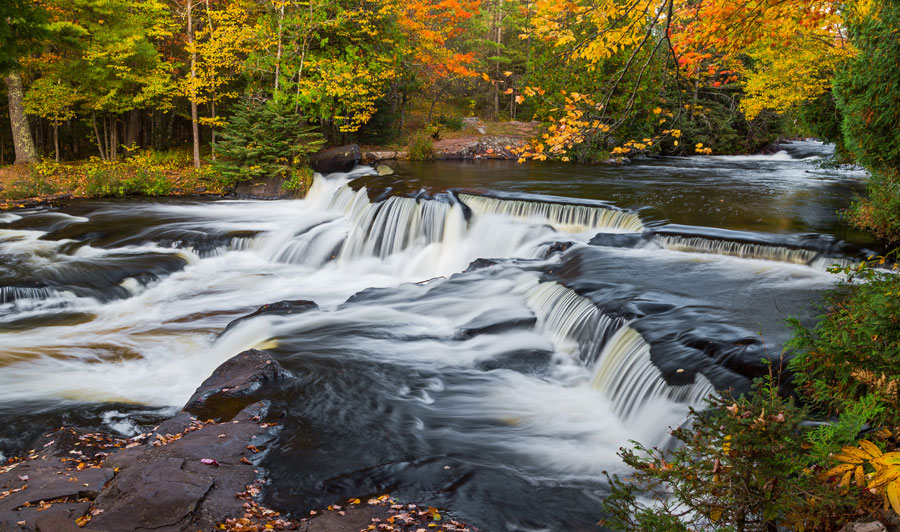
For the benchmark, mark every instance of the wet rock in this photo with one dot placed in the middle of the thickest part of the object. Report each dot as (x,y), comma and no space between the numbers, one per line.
(874,526)
(340,159)
(232,385)
(170,487)
(352,520)
(158,494)
(384,169)
(558,247)
(61,520)
(281,308)
(615,240)
(479,264)
(266,188)
(485,326)
(375,156)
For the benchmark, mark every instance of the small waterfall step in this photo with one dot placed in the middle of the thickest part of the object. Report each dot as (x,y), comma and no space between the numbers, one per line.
(564,214)
(806,249)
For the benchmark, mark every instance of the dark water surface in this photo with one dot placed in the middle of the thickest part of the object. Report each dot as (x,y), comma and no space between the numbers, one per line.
(619,298)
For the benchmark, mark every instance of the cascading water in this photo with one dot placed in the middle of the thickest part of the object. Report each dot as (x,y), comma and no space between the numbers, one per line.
(736,249)
(501,393)
(626,375)
(564,217)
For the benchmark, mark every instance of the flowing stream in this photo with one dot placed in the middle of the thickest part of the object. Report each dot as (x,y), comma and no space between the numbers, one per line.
(614,299)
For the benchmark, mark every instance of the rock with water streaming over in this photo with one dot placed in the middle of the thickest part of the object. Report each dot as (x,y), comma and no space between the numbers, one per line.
(295,306)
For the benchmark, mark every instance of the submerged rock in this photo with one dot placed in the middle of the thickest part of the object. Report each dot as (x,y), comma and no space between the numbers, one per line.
(340,159)
(281,308)
(480,264)
(384,169)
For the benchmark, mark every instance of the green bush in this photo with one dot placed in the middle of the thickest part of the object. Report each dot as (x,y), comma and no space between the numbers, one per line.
(421,146)
(854,350)
(739,466)
(450,123)
(264,139)
(867,90)
(879,212)
(300,180)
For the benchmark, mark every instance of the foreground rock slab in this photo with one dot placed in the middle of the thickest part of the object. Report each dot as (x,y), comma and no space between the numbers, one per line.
(186,475)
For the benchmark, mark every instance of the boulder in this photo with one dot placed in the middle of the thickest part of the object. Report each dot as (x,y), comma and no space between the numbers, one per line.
(233,385)
(267,188)
(384,169)
(340,159)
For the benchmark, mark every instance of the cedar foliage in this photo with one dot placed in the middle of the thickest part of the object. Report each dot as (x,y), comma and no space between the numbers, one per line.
(265,139)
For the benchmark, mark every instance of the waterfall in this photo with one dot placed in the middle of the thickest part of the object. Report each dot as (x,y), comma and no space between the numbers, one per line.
(575,325)
(385,228)
(563,217)
(743,250)
(615,353)
(627,376)
(11,294)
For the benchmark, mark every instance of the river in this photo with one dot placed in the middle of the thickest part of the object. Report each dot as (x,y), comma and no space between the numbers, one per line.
(616,299)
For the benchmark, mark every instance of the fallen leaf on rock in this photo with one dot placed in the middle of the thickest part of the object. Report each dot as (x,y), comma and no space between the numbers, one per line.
(23,478)
(209,461)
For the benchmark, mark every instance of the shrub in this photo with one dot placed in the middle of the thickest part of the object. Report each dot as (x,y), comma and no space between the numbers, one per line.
(867,91)
(264,139)
(451,123)
(421,146)
(739,467)
(854,350)
(880,211)
(300,180)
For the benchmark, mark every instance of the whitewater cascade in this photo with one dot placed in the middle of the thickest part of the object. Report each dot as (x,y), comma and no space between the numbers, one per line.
(736,249)
(627,376)
(563,217)
(617,355)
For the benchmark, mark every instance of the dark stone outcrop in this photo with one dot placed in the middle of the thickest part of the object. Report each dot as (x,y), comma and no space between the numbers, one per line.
(266,188)
(340,159)
(480,264)
(184,475)
(558,247)
(169,487)
(232,385)
(281,308)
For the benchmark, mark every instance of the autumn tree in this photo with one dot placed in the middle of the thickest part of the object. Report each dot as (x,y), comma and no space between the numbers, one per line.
(54,101)
(430,29)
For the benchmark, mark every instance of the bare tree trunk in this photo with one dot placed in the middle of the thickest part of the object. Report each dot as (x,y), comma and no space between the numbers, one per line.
(278,52)
(23,142)
(114,138)
(109,154)
(195,125)
(213,130)
(99,138)
(498,14)
(56,140)
(132,131)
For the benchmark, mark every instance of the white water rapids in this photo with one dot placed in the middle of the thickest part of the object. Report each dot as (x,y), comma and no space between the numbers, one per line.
(157,343)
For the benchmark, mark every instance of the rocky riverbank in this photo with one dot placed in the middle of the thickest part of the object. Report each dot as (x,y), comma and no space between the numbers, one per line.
(199,470)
